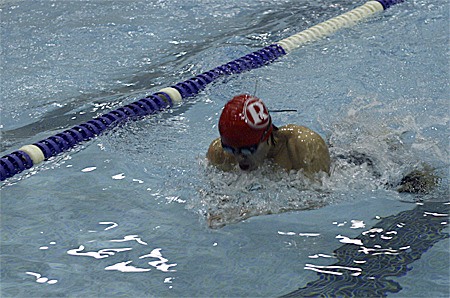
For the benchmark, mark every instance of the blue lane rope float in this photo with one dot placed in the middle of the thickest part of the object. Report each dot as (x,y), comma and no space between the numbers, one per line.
(30,155)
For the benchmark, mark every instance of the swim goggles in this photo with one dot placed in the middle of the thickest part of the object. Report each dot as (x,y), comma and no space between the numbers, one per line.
(249,150)
(246,151)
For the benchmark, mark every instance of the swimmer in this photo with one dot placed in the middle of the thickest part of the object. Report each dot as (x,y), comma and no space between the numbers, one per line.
(249,138)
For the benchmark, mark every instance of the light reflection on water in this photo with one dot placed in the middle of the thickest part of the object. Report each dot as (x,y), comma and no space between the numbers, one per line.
(159,262)
(42,279)
(333,269)
(102,253)
(389,243)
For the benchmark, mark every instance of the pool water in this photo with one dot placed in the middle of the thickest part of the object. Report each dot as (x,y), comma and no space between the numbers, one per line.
(139,212)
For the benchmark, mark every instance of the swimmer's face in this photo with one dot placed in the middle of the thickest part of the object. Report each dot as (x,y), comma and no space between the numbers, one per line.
(249,158)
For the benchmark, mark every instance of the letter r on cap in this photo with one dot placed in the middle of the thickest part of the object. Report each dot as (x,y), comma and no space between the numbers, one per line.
(256,110)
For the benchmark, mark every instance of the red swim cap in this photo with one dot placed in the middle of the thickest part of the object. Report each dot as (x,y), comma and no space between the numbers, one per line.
(244,122)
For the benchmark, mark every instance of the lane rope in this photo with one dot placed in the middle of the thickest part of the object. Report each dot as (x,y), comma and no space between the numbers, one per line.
(30,155)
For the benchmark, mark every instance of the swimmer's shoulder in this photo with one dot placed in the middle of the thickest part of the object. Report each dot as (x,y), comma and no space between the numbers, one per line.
(300,135)
(294,130)
(305,149)
(218,157)
(215,151)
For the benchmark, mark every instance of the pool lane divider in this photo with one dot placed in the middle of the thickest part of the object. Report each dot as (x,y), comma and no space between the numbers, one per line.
(30,155)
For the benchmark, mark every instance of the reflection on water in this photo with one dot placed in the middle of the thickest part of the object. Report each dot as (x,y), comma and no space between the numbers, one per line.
(344,239)
(386,250)
(42,279)
(159,262)
(112,224)
(353,271)
(300,234)
(119,176)
(124,267)
(356,224)
(46,247)
(102,253)
(316,256)
(130,238)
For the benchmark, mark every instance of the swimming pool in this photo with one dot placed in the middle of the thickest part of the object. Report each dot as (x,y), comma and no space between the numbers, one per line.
(126,213)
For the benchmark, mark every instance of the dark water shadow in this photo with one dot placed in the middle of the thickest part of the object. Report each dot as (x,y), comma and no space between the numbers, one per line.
(413,232)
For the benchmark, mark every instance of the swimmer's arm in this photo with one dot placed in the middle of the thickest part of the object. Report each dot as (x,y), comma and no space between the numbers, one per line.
(218,157)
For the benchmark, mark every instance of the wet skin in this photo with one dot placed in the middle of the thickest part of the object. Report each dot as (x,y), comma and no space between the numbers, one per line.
(292,147)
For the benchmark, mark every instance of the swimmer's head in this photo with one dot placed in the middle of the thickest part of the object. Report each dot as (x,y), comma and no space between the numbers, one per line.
(244,124)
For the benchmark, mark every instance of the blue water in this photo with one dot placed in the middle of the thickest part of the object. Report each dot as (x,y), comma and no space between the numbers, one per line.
(127,213)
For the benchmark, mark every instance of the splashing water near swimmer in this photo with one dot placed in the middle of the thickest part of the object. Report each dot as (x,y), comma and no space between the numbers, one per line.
(259,186)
